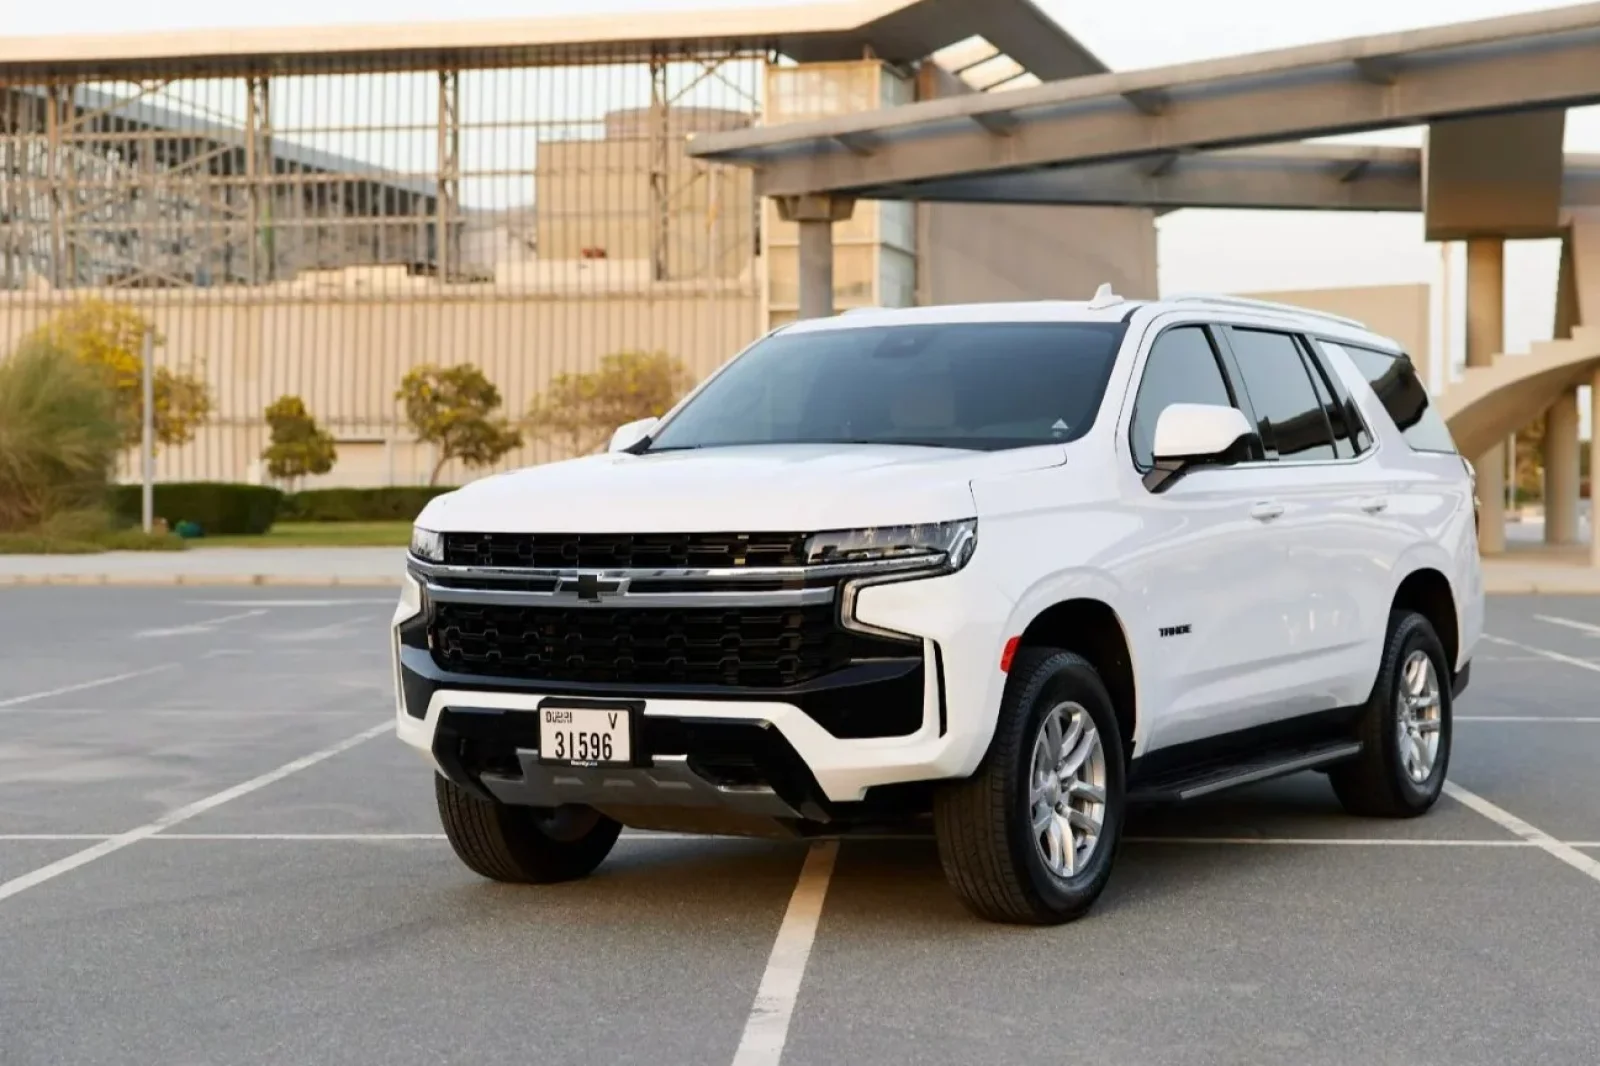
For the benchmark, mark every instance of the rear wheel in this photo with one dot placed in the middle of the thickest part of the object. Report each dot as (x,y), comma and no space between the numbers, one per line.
(1405,729)
(523,845)
(1030,838)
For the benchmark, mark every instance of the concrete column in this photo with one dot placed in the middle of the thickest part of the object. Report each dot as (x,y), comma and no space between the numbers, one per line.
(815,216)
(1486,267)
(1594,470)
(1561,470)
(816,268)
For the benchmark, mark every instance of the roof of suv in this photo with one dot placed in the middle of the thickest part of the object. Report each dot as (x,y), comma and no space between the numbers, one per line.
(1105,307)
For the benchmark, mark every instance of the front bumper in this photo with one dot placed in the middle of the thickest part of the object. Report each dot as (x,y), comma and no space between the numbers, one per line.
(765,753)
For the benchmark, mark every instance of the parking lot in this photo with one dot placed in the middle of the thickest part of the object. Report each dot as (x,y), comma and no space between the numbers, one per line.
(212,850)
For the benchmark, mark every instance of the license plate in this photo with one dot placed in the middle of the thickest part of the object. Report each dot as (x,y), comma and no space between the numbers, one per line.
(585,736)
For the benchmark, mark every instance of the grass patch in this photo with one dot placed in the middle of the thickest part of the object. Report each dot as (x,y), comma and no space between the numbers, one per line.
(121,540)
(319,535)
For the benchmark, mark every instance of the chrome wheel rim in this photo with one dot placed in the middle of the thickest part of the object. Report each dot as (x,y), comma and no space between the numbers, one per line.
(1067,789)
(1419,717)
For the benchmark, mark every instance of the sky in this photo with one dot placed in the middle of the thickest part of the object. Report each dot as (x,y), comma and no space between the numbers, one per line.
(1216,250)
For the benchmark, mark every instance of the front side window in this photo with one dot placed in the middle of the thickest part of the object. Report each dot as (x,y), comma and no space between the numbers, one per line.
(1403,395)
(1292,422)
(1182,368)
(982,386)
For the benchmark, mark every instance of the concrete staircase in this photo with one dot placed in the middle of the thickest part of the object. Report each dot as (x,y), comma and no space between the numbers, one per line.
(1488,404)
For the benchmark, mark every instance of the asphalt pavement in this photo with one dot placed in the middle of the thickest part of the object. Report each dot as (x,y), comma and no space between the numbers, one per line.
(213,851)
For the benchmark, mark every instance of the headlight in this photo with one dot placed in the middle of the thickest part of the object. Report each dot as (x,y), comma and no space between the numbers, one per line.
(427,545)
(942,544)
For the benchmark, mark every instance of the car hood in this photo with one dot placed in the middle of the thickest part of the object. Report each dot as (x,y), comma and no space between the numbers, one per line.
(788,487)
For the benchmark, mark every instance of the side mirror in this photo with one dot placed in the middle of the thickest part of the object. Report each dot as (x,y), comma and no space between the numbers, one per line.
(1197,434)
(627,436)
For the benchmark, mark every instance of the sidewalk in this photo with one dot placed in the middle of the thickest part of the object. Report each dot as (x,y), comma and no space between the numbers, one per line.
(355,567)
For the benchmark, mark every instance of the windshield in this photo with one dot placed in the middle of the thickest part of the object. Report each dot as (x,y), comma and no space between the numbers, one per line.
(974,385)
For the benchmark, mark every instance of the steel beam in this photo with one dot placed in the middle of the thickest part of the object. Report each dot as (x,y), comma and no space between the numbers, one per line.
(448,175)
(1278,177)
(259,173)
(1545,59)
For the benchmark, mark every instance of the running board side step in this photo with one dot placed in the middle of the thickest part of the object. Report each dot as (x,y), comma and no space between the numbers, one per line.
(1193,782)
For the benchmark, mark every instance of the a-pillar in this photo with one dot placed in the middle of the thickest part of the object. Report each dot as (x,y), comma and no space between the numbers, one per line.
(1485,340)
(815,216)
(1561,470)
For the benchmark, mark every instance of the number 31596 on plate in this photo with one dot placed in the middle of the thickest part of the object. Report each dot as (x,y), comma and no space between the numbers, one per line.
(582,736)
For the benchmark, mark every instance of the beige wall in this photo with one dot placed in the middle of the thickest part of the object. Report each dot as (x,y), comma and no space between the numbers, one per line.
(1402,312)
(345,357)
(976,252)
(973,252)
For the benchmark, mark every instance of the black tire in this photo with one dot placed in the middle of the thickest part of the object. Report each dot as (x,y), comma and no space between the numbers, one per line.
(983,824)
(523,845)
(1375,784)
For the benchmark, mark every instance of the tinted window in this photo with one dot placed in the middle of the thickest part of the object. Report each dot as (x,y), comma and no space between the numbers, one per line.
(1349,435)
(1291,420)
(1182,368)
(984,386)
(1403,395)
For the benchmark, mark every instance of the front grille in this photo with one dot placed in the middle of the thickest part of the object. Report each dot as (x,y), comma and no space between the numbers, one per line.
(756,647)
(624,550)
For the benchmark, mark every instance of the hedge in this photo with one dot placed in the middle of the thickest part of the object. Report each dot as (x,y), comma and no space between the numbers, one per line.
(400,503)
(218,508)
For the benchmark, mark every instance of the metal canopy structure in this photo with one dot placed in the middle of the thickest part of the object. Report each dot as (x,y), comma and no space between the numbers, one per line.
(1547,59)
(1294,177)
(892,30)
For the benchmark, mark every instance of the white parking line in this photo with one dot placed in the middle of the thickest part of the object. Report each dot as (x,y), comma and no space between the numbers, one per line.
(1525,718)
(1318,842)
(1571,623)
(291,603)
(1567,853)
(15,701)
(193,628)
(767,1028)
(182,814)
(1545,653)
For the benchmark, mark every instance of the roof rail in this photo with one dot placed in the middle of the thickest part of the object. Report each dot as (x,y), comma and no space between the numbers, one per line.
(1246,303)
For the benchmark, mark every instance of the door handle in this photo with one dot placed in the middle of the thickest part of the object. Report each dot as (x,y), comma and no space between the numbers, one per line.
(1266,511)
(1374,504)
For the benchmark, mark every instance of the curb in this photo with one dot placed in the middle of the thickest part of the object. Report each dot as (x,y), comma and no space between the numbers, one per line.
(200,580)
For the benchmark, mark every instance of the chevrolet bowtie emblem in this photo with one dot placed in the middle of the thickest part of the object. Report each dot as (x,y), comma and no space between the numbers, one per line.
(591,586)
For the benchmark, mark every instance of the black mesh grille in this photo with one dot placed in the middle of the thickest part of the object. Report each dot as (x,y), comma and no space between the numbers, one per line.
(624,550)
(756,647)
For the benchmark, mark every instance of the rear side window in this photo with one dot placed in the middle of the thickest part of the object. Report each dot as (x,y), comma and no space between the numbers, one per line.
(1293,425)
(1403,395)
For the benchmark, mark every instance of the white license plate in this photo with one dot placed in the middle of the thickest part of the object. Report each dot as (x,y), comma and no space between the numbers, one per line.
(584,736)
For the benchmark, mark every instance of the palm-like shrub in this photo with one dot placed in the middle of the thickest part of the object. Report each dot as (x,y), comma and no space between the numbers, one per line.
(58,435)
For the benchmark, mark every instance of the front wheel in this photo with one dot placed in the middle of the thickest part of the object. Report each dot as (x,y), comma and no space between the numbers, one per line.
(1405,728)
(1030,838)
(523,845)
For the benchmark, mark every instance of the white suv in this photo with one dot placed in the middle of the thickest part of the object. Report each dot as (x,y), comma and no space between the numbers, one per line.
(1007,568)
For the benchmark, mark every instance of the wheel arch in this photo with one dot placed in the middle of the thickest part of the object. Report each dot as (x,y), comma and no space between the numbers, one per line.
(1091,628)
(1428,592)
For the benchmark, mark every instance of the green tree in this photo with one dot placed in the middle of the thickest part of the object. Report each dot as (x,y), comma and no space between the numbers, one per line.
(1530,460)
(58,436)
(299,447)
(110,338)
(453,408)
(581,411)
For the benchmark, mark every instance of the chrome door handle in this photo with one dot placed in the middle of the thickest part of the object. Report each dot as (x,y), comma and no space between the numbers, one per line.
(1266,512)
(1374,504)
